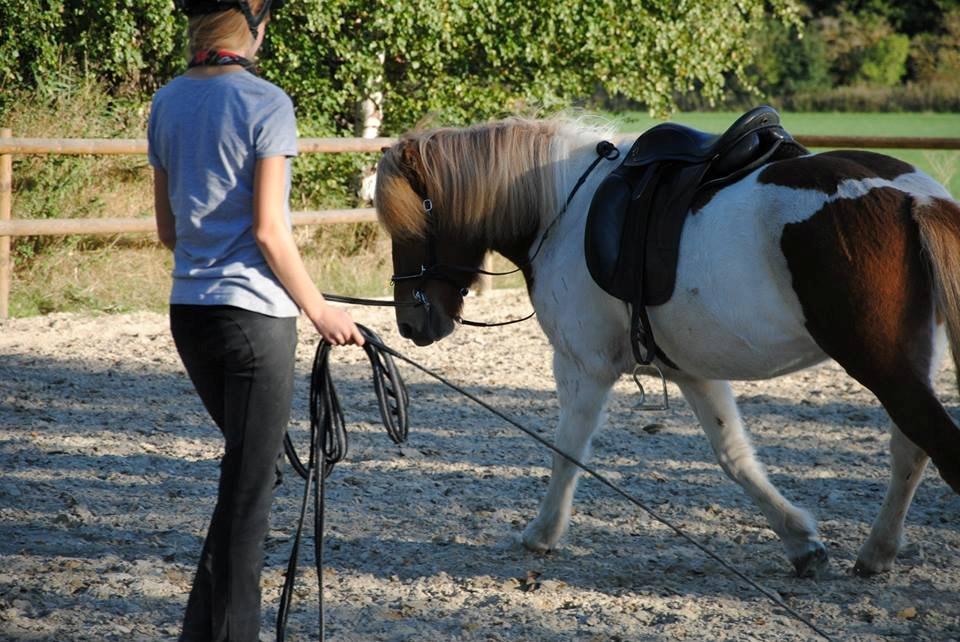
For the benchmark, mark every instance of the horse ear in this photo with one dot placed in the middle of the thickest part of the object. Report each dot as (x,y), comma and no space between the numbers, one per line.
(411,164)
(410,155)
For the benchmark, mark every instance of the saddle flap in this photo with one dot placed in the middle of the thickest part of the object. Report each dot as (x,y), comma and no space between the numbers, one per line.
(604,232)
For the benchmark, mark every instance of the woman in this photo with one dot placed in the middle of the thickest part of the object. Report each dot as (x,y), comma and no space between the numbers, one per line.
(220,142)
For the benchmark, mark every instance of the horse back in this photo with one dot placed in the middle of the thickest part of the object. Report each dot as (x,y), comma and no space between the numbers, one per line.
(766,259)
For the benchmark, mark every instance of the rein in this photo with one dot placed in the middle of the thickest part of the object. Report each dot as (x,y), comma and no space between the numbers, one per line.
(328,446)
(378,303)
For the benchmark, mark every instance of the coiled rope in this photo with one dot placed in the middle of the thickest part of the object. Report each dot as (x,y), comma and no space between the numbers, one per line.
(329,445)
(328,436)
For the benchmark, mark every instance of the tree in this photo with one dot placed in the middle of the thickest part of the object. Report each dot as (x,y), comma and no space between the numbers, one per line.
(789,60)
(864,48)
(463,60)
(906,16)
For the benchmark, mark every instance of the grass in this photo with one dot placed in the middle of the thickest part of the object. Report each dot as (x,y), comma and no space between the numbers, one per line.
(132,272)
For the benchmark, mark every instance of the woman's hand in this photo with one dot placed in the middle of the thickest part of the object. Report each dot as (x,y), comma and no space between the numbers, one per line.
(336,327)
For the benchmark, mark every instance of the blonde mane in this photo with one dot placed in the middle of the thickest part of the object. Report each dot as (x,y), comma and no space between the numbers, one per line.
(488,181)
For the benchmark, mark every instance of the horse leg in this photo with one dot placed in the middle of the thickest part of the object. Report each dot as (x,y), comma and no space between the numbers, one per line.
(870,285)
(582,396)
(907,462)
(716,409)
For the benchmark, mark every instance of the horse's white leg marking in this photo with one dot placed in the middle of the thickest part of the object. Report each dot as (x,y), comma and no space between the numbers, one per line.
(907,462)
(582,397)
(716,409)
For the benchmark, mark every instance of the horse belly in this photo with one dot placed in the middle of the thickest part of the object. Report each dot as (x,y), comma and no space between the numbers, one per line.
(734,314)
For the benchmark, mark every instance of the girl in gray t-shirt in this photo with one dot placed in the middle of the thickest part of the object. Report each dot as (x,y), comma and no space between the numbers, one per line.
(220,142)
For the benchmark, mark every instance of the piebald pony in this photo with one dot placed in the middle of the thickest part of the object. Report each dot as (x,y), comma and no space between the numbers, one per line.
(847,255)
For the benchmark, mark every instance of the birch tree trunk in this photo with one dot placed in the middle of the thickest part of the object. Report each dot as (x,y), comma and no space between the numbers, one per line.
(369,119)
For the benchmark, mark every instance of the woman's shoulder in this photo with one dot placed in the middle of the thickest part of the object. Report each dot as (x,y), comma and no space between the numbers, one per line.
(171,87)
(261,87)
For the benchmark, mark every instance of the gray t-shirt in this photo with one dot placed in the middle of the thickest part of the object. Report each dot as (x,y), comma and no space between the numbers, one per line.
(206,134)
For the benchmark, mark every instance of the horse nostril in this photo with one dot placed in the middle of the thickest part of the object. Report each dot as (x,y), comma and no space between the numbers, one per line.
(406,330)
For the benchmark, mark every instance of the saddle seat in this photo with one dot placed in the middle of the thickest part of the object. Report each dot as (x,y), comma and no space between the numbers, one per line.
(636,217)
(675,142)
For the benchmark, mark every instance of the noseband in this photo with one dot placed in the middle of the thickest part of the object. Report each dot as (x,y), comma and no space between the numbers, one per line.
(434,270)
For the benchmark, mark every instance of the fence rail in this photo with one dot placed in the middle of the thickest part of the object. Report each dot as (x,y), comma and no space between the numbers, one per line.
(10,146)
(107,146)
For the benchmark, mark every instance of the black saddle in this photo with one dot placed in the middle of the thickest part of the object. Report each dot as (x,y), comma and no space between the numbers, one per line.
(636,217)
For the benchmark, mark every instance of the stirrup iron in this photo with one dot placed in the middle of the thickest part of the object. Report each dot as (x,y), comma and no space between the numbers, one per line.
(642,404)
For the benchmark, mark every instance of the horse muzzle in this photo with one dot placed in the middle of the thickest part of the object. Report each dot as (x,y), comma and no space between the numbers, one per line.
(423,323)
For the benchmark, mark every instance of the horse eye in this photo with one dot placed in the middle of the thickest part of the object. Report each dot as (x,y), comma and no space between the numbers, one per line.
(464,291)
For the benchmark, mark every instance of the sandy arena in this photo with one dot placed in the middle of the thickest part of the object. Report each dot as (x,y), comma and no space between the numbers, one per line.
(109,476)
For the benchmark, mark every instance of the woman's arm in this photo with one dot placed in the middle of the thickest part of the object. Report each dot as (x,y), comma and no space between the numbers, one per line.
(276,242)
(166,227)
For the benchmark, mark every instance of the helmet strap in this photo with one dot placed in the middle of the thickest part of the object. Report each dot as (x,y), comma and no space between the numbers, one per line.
(253,21)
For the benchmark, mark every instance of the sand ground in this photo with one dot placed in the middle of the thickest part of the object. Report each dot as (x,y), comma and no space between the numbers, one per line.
(109,468)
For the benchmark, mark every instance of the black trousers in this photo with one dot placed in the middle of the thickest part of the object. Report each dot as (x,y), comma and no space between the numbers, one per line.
(241,364)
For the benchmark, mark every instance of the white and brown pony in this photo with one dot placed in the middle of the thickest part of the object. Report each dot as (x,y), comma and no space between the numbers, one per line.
(847,255)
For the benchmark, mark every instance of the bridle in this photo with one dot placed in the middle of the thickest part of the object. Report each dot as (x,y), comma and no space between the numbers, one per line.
(434,270)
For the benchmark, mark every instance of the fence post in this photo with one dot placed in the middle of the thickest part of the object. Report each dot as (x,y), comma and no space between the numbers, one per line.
(6,201)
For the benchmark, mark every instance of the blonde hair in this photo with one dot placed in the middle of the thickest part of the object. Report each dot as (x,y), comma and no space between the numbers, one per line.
(221,30)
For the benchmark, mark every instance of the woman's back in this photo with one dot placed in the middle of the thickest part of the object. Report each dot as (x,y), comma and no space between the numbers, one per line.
(223,124)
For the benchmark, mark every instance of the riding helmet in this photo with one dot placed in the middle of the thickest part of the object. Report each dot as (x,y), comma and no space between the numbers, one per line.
(203,7)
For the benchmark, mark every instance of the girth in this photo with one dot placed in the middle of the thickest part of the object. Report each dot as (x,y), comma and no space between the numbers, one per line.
(636,218)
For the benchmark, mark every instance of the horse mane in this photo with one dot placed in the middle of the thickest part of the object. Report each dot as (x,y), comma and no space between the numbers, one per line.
(488,181)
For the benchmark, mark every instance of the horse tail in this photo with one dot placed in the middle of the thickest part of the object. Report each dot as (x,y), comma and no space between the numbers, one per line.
(939,223)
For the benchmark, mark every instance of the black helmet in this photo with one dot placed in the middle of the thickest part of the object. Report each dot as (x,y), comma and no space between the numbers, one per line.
(202,7)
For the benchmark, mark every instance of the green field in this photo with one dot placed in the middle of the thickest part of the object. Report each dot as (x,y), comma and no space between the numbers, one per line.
(942,165)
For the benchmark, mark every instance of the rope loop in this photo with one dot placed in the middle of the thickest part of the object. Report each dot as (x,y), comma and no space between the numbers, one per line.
(329,446)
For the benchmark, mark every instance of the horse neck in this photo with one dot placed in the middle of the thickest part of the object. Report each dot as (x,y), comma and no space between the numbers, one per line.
(522,224)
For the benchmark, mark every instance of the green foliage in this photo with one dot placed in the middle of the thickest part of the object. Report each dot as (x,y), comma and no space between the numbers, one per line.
(910,17)
(29,43)
(911,97)
(459,60)
(463,60)
(935,57)
(130,43)
(885,62)
(863,48)
(788,60)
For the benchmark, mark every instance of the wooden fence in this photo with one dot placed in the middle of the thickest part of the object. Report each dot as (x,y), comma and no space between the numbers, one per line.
(10,146)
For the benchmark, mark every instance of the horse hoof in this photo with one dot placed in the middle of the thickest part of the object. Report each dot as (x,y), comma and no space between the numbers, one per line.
(865,569)
(534,540)
(535,545)
(861,569)
(812,564)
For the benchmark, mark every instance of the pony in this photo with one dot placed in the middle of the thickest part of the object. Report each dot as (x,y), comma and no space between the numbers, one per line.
(848,255)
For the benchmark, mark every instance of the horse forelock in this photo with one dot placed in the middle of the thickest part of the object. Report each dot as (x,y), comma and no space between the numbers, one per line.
(399,207)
